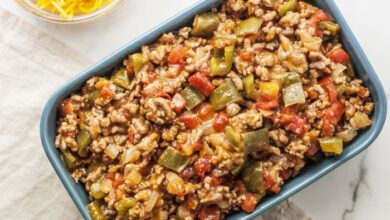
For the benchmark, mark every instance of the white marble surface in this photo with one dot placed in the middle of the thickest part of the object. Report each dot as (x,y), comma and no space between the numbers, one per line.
(359,190)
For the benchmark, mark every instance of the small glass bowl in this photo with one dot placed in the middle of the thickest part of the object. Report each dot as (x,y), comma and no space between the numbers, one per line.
(43,14)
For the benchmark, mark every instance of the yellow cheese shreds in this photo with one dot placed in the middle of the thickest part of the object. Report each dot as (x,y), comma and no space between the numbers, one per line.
(69,8)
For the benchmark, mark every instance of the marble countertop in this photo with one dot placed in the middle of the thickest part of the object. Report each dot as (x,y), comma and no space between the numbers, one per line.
(358,190)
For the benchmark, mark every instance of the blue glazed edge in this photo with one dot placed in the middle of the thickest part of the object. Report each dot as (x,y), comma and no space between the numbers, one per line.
(308,175)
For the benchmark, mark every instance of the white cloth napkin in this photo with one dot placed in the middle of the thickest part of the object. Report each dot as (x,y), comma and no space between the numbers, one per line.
(32,66)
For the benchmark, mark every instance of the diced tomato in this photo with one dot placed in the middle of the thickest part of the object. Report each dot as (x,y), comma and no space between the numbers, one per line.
(111,176)
(179,103)
(318,16)
(216,181)
(249,203)
(205,111)
(270,183)
(266,105)
(297,125)
(66,107)
(292,121)
(220,121)
(177,56)
(118,182)
(201,83)
(330,87)
(209,213)
(331,117)
(246,55)
(338,55)
(130,133)
(202,165)
(190,121)
(106,92)
(187,173)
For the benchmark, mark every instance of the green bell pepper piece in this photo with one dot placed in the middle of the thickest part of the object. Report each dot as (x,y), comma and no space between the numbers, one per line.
(329,26)
(192,97)
(95,211)
(120,78)
(249,26)
(331,145)
(224,39)
(173,159)
(69,159)
(205,24)
(256,140)
(252,176)
(286,79)
(220,66)
(124,204)
(291,5)
(83,139)
(350,70)
(294,94)
(138,61)
(234,138)
(224,95)
(249,85)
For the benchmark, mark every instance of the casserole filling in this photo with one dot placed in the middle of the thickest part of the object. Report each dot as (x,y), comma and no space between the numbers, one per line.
(208,120)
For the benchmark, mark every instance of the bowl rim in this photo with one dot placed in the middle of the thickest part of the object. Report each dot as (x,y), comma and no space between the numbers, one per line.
(292,186)
(48,16)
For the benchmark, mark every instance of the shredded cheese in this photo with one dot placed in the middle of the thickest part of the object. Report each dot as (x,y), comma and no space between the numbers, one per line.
(70,8)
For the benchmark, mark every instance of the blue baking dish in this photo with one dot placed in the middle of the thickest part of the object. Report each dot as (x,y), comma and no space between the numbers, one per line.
(308,174)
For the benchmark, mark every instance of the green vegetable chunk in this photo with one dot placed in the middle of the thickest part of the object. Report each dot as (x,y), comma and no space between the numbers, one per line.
(329,26)
(192,97)
(331,145)
(294,94)
(124,204)
(95,211)
(95,190)
(350,70)
(224,95)
(120,78)
(256,140)
(252,176)
(291,5)
(220,66)
(83,139)
(69,159)
(138,61)
(173,159)
(205,24)
(249,26)
(286,79)
(249,85)
(221,40)
(234,138)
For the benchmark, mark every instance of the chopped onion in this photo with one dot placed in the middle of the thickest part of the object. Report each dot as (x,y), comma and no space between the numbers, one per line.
(151,202)
(360,120)
(339,68)
(133,178)
(207,127)
(111,151)
(130,155)
(105,185)
(347,135)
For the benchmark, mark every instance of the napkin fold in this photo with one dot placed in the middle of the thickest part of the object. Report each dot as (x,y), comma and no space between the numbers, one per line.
(32,66)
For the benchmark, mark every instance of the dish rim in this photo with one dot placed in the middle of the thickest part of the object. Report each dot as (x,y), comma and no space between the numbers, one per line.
(308,176)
